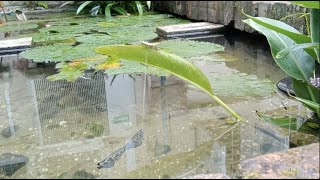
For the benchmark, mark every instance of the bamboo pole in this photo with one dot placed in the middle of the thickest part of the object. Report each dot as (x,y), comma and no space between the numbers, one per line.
(2,7)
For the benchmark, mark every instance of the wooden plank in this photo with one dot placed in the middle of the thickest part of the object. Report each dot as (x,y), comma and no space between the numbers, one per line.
(189,29)
(15,45)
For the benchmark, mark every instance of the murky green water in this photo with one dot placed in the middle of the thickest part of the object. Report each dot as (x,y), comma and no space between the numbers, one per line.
(62,130)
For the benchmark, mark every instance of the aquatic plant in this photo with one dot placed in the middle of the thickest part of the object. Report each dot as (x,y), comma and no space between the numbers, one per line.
(295,53)
(107,7)
(165,61)
(189,48)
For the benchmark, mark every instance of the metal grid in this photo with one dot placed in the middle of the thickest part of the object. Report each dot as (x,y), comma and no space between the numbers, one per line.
(71,110)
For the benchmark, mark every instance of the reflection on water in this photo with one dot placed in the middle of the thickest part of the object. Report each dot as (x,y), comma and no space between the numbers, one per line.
(65,129)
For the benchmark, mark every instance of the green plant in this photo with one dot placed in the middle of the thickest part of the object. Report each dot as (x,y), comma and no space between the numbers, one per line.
(35,3)
(109,7)
(295,53)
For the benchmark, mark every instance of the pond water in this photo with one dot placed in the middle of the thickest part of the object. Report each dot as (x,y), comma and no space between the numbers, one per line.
(153,127)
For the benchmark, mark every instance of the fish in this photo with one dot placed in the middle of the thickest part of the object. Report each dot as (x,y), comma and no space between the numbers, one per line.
(110,161)
(136,140)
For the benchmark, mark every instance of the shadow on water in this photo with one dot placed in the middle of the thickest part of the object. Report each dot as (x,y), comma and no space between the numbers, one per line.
(65,128)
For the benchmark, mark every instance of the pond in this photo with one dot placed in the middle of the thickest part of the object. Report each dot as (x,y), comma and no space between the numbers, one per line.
(138,125)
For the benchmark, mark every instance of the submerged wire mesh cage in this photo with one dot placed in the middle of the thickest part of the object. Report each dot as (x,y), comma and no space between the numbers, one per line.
(71,110)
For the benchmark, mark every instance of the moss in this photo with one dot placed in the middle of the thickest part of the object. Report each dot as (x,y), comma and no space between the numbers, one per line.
(96,129)
(292,172)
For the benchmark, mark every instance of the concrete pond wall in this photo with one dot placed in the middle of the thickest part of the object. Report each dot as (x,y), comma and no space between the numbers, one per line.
(230,12)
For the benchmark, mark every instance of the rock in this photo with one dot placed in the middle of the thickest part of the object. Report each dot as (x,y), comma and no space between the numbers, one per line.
(208,176)
(296,163)
(10,163)
(6,133)
(83,175)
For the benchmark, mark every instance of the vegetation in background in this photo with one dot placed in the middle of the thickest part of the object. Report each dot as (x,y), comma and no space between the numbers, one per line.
(110,7)
(295,53)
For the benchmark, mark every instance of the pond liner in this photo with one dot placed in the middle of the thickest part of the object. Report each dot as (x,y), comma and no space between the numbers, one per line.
(285,85)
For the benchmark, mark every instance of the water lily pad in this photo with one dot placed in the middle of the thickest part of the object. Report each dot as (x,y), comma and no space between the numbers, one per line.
(241,85)
(189,48)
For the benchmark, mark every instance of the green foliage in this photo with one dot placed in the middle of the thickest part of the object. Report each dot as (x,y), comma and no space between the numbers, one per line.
(292,52)
(168,62)
(110,7)
(13,26)
(91,33)
(58,52)
(130,67)
(189,48)
(308,4)
(293,124)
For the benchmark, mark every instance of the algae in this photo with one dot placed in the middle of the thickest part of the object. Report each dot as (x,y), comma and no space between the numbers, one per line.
(241,85)
(189,48)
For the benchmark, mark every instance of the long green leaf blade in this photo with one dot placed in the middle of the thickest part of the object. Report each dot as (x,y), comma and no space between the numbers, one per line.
(286,51)
(278,26)
(149,4)
(66,3)
(139,7)
(314,27)
(172,63)
(83,5)
(297,64)
(284,29)
(107,11)
(165,61)
(308,4)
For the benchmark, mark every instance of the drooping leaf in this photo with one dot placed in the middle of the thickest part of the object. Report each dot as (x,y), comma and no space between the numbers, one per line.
(286,51)
(189,48)
(149,4)
(314,28)
(121,10)
(66,3)
(107,11)
(282,28)
(83,5)
(312,104)
(94,11)
(131,67)
(297,64)
(167,62)
(308,4)
(305,91)
(139,7)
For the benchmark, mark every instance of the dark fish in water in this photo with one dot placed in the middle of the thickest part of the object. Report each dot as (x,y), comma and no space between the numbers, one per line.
(111,159)
(135,141)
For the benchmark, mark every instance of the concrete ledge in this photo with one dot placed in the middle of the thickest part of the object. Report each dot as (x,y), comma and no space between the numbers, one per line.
(230,12)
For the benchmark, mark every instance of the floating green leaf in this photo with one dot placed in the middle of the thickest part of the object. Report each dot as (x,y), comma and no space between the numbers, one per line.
(189,48)
(13,26)
(241,85)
